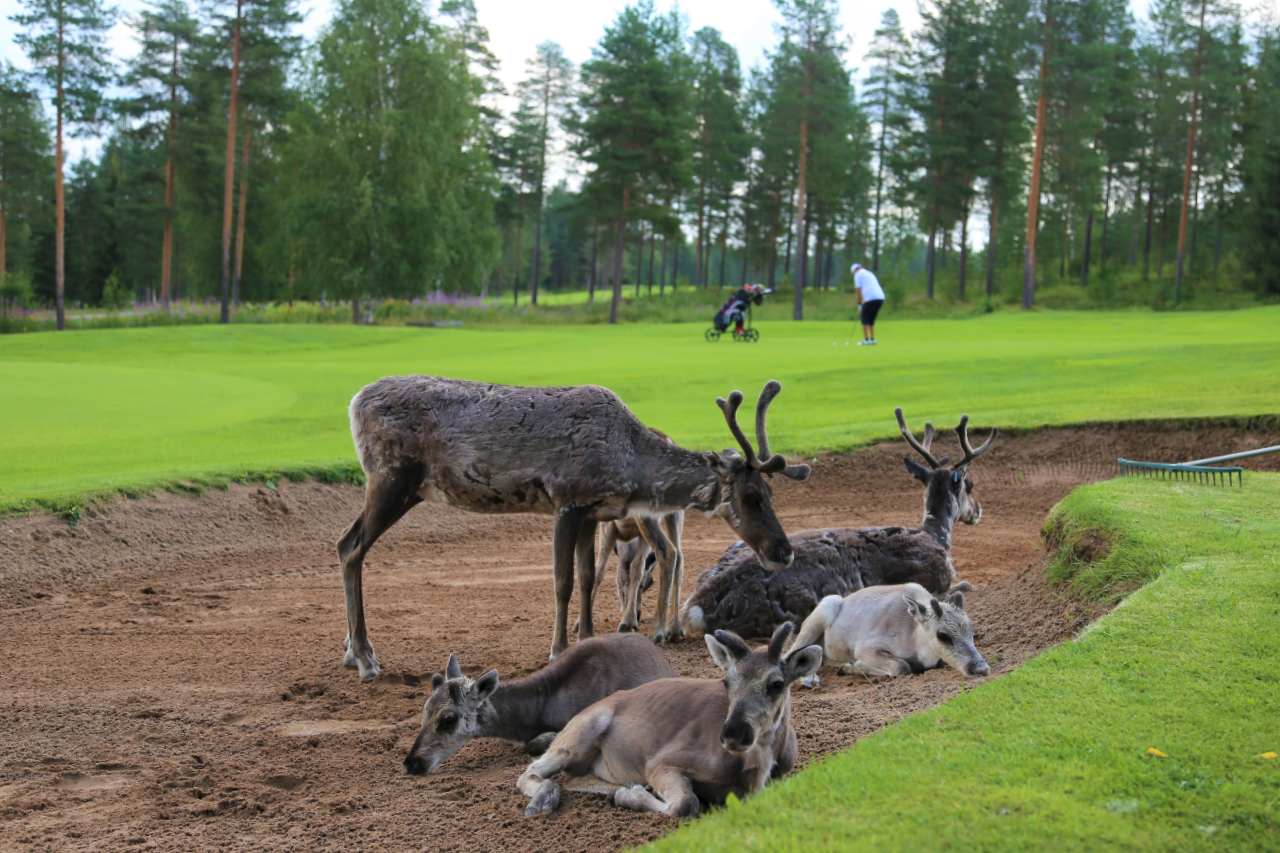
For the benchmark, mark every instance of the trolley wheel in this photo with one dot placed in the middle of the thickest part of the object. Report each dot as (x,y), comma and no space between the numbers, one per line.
(751,335)
(711,334)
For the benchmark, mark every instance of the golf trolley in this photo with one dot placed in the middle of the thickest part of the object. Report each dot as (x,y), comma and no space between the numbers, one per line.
(735,315)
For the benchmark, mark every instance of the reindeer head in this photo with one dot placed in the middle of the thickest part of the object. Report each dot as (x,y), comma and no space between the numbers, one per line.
(449,717)
(759,683)
(947,491)
(745,499)
(950,632)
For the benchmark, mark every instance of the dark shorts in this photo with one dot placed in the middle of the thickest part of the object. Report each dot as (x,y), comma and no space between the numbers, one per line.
(870,310)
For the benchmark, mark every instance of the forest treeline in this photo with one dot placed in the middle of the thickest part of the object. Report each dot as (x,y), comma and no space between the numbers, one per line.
(382,161)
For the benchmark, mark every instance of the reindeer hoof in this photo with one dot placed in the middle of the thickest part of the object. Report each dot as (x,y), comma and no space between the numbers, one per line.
(812,682)
(574,629)
(626,628)
(545,801)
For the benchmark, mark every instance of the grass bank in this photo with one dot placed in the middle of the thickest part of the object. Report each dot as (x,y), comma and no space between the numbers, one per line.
(133,409)
(1149,732)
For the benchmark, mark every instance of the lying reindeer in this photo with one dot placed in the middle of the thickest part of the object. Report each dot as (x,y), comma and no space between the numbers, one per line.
(739,594)
(688,739)
(531,710)
(893,630)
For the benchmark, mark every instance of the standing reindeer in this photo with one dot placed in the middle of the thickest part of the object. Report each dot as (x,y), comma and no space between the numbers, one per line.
(739,594)
(577,453)
(629,538)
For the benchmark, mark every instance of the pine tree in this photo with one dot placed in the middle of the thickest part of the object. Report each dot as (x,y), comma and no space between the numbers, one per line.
(1260,168)
(66,41)
(811,51)
(885,95)
(162,79)
(546,93)
(23,156)
(635,129)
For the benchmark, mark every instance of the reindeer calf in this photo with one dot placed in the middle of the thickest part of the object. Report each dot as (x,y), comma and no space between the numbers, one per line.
(689,739)
(894,630)
(531,710)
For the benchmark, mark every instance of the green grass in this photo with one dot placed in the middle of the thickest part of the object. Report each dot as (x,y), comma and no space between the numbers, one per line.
(133,409)
(1054,756)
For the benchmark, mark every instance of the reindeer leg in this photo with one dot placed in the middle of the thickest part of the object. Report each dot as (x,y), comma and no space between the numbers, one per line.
(675,797)
(585,556)
(630,575)
(605,537)
(564,540)
(574,749)
(388,496)
(674,524)
(651,529)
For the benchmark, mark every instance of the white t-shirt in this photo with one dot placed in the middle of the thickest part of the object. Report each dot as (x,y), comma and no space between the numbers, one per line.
(866,281)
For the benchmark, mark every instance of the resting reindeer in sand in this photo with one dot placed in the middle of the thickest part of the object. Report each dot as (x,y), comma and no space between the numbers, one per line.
(739,594)
(893,630)
(529,710)
(577,453)
(688,739)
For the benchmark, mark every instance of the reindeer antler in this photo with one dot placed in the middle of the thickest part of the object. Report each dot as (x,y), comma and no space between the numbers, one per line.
(730,409)
(921,448)
(771,389)
(962,430)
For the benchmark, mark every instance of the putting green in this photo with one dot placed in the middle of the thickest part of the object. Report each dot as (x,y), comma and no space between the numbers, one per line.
(92,411)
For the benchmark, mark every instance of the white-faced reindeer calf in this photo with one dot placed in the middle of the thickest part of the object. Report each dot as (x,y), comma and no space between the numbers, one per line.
(688,739)
(529,710)
(577,453)
(740,594)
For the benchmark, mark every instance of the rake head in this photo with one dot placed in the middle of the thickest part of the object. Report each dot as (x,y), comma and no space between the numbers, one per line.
(1192,473)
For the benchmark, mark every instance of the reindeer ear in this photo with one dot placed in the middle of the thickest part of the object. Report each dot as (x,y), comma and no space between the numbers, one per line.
(451,669)
(436,680)
(726,648)
(485,685)
(719,653)
(956,600)
(796,472)
(916,608)
(937,608)
(779,640)
(915,469)
(717,463)
(802,663)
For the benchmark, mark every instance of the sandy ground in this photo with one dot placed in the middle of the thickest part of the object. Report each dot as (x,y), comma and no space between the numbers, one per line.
(172,675)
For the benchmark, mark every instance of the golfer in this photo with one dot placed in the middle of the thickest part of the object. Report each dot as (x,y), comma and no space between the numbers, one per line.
(870,297)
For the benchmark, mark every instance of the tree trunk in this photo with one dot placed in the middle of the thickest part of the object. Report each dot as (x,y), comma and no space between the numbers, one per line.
(60,219)
(617,257)
(515,286)
(662,274)
(724,247)
(1137,223)
(244,196)
(773,243)
(698,277)
(653,247)
(929,253)
(534,274)
(591,276)
(1164,228)
(1195,224)
(1146,244)
(1062,255)
(802,232)
(1084,257)
(964,245)
(1186,172)
(1106,220)
(4,223)
(791,226)
(884,132)
(1217,240)
(229,181)
(166,251)
(1037,159)
(675,258)
(991,241)
(639,255)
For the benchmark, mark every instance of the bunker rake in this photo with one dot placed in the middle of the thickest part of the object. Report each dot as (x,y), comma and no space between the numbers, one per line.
(1196,471)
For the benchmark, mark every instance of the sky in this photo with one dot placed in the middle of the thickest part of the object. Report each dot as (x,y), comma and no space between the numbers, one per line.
(516,27)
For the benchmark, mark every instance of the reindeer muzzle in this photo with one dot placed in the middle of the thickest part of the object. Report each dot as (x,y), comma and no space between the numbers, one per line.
(737,736)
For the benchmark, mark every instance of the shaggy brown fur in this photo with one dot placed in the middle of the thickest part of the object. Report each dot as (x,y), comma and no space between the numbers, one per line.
(577,453)
(739,594)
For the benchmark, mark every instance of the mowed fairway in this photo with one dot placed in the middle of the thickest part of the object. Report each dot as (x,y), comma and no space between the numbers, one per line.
(86,412)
